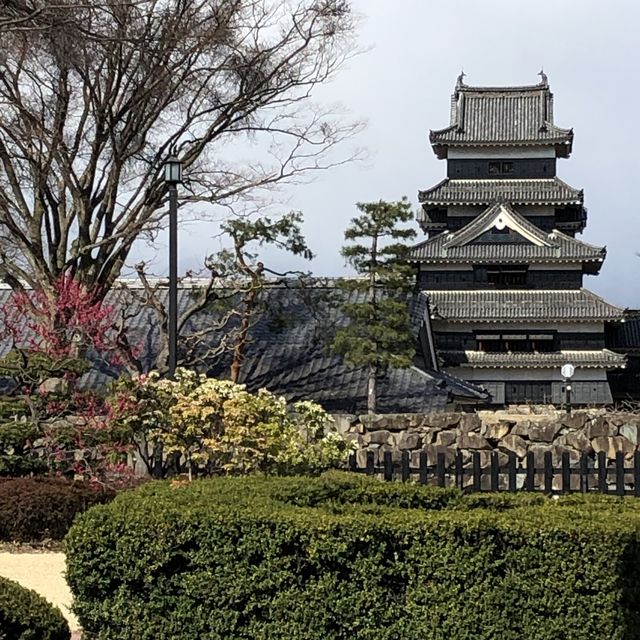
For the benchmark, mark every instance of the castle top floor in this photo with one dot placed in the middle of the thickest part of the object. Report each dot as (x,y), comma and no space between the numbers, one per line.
(500,124)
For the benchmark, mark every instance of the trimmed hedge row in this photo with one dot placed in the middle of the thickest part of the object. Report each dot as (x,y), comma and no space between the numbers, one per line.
(343,557)
(41,508)
(24,615)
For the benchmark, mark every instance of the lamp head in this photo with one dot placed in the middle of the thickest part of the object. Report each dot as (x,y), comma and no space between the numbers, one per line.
(172,170)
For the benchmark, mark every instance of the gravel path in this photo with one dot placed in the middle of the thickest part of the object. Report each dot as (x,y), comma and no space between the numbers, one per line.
(44,573)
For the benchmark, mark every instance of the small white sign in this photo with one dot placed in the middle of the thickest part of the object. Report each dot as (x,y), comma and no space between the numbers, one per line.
(567,370)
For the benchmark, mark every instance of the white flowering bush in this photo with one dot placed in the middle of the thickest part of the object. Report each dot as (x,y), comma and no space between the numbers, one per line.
(218,427)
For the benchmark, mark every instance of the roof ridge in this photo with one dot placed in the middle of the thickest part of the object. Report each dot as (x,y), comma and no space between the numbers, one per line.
(597,297)
(540,86)
(505,291)
(573,240)
(487,191)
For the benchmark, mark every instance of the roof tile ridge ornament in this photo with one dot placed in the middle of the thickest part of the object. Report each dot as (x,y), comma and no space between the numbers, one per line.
(458,125)
(544,81)
(544,97)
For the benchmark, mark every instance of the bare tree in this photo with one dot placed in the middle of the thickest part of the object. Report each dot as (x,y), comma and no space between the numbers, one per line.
(234,295)
(95,94)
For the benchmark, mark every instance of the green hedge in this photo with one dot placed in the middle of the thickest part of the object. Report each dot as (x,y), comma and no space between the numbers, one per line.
(343,557)
(43,508)
(24,615)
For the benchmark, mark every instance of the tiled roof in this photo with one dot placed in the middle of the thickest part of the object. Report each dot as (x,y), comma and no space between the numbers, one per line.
(541,191)
(289,354)
(503,116)
(532,305)
(625,336)
(598,359)
(542,247)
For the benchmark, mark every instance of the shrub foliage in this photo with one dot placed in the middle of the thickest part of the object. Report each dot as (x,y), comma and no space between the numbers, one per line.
(41,508)
(217,426)
(341,557)
(24,615)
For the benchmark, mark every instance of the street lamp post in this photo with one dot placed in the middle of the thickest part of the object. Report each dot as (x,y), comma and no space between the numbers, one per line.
(173,177)
(567,372)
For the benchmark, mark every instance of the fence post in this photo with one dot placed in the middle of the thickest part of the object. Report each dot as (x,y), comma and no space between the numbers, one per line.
(440,468)
(353,465)
(423,467)
(602,472)
(495,471)
(584,473)
(513,461)
(636,473)
(406,471)
(548,472)
(477,472)
(370,463)
(620,473)
(531,472)
(566,472)
(388,466)
(459,482)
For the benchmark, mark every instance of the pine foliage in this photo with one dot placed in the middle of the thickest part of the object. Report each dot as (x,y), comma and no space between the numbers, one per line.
(378,333)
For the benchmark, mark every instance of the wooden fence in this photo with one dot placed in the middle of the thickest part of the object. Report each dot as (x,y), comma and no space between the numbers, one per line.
(590,475)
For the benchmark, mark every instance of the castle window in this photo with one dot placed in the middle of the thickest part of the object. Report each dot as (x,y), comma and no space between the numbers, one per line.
(500,168)
(501,276)
(515,343)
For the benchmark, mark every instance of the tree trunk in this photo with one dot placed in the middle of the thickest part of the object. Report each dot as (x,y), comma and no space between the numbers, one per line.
(371,386)
(371,390)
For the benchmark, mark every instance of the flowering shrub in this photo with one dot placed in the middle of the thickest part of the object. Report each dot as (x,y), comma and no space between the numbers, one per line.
(59,322)
(47,422)
(217,426)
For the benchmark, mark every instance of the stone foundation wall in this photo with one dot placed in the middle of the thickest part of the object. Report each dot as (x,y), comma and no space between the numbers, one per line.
(518,429)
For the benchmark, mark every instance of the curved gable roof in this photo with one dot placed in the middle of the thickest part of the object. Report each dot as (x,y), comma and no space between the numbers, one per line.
(537,246)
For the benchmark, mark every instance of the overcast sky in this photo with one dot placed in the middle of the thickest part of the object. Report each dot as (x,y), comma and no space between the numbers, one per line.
(591,53)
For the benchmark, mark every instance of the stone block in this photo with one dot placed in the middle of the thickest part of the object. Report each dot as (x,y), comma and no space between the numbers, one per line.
(371,421)
(521,428)
(600,427)
(361,458)
(380,437)
(446,438)
(432,454)
(612,445)
(513,443)
(574,420)
(469,422)
(497,430)
(442,420)
(544,410)
(556,451)
(521,409)
(544,431)
(576,440)
(409,440)
(356,438)
(396,454)
(630,432)
(344,422)
(472,441)
(429,434)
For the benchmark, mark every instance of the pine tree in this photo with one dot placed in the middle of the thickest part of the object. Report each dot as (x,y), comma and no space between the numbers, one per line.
(378,334)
